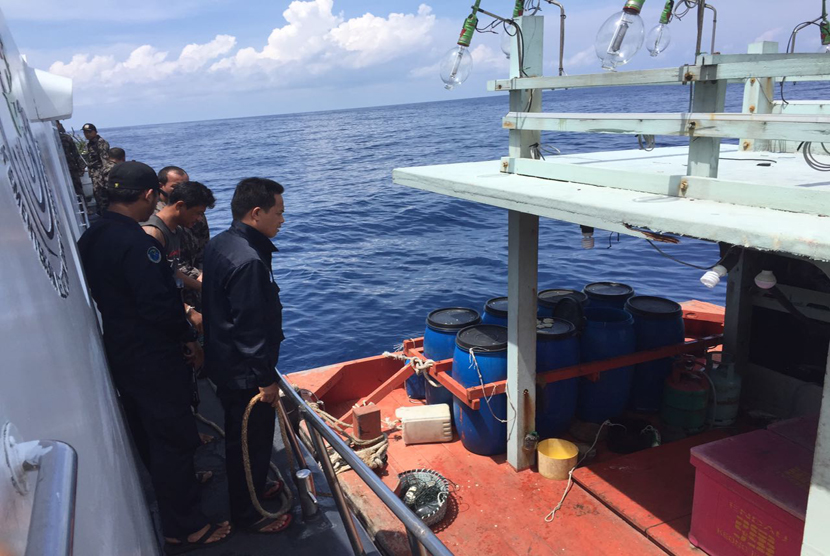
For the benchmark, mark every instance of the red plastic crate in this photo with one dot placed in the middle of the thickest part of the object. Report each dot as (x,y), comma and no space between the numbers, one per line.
(750,495)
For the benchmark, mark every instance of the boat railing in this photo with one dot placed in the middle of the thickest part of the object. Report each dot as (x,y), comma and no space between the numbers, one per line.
(422,540)
(53,509)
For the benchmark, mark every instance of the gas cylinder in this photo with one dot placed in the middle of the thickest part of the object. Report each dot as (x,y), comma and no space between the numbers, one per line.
(685,396)
(723,405)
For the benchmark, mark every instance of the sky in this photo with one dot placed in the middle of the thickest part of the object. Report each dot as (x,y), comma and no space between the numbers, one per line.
(139,62)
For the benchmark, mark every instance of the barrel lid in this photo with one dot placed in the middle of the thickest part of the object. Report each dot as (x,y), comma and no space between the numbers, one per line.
(651,306)
(483,337)
(609,290)
(555,329)
(549,298)
(497,307)
(452,318)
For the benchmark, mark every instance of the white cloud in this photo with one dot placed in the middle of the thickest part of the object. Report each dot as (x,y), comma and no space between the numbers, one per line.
(144,64)
(581,59)
(769,35)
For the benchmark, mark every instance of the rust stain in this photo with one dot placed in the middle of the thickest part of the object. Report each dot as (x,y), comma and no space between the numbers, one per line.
(684,186)
(504,166)
(529,410)
(752,108)
(509,125)
(746,145)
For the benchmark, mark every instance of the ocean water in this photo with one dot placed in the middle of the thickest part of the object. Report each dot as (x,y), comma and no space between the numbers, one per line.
(362,261)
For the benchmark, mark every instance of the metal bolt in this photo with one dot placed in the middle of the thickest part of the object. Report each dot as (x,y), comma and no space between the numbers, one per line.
(752,108)
(504,165)
(746,145)
(684,185)
(752,80)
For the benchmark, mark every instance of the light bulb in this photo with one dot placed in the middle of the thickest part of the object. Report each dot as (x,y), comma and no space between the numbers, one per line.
(766,280)
(456,66)
(507,42)
(712,277)
(658,39)
(621,36)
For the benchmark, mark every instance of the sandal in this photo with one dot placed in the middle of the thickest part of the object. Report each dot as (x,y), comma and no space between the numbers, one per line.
(272,490)
(258,527)
(184,545)
(204,477)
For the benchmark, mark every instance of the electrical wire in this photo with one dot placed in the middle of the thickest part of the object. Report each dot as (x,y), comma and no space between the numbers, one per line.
(791,43)
(806,149)
(684,263)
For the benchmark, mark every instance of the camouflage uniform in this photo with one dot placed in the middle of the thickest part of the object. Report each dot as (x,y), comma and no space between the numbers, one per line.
(73,161)
(97,156)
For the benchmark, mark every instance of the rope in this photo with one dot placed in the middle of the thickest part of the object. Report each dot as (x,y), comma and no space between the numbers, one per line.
(550,517)
(285,492)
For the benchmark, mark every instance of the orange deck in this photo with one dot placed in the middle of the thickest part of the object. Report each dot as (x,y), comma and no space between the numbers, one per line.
(639,504)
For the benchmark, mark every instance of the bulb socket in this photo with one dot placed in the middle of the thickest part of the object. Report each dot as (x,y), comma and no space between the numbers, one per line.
(634,6)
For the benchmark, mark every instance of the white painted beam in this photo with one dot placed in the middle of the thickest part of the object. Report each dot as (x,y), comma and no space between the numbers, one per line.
(810,200)
(523,253)
(758,95)
(791,126)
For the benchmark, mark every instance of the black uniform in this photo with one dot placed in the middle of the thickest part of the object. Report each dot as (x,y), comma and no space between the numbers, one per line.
(243,332)
(144,328)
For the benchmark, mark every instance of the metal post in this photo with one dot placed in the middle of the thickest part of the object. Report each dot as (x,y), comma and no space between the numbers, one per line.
(415,545)
(52,524)
(292,438)
(758,95)
(714,25)
(336,490)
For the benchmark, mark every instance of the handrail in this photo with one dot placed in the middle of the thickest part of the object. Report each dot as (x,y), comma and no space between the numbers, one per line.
(411,522)
(52,523)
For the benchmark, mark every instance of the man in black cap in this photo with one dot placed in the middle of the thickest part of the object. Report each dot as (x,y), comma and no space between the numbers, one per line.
(149,344)
(97,160)
(74,161)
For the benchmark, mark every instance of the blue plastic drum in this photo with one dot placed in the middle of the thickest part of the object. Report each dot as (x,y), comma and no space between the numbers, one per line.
(612,295)
(608,333)
(482,431)
(658,322)
(549,299)
(556,347)
(495,311)
(439,344)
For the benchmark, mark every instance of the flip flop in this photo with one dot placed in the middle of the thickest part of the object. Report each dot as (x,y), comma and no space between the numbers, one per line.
(204,477)
(184,546)
(257,528)
(272,490)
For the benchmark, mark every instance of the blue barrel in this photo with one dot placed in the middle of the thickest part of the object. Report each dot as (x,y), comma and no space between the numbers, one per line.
(608,333)
(495,311)
(658,322)
(556,347)
(439,344)
(608,294)
(549,299)
(481,430)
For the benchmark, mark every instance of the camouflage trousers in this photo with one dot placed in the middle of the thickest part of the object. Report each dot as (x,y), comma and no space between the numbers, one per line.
(99,188)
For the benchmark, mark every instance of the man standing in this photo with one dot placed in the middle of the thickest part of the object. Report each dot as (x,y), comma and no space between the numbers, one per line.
(169,178)
(97,160)
(116,155)
(74,161)
(187,205)
(146,338)
(243,332)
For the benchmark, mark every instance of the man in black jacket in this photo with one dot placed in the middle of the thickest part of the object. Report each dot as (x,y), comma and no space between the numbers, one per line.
(242,320)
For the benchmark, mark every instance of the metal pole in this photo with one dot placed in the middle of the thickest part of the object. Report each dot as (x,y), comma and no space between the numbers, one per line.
(415,545)
(52,524)
(714,25)
(561,35)
(336,491)
(292,438)
(700,10)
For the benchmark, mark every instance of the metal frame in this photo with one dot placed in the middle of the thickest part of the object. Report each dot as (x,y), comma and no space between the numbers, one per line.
(421,537)
(52,524)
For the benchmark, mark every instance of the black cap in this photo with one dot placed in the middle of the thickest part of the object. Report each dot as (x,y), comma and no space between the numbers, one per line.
(497,307)
(654,307)
(89,127)
(133,175)
(609,290)
(482,337)
(452,319)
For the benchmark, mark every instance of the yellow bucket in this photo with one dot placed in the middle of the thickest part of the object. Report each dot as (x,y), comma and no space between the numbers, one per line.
(556,458)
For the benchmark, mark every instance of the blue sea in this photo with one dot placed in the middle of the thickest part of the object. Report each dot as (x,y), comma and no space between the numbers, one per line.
(362,261)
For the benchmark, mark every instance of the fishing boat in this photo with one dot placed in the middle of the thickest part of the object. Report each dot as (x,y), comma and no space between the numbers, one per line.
(733,474)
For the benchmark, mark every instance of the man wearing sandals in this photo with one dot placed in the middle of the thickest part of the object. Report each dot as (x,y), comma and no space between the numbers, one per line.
(149,344)
(242,320)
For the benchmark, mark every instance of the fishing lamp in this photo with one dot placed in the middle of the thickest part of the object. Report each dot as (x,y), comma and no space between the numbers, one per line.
(621,36)
(659,37)
(712,277)
(824,27)
(458,62)
(766,280)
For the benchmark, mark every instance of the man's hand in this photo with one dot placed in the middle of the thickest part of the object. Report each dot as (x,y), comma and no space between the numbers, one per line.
(199,278)
(195,318)
(194,354)
(270,394)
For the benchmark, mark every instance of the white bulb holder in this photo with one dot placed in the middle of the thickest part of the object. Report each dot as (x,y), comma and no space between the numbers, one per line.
(588,241)
(766,280)
(712,277)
